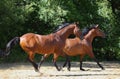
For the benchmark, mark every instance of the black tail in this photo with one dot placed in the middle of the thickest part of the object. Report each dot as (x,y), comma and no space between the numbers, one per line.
(1,53)
(10,44)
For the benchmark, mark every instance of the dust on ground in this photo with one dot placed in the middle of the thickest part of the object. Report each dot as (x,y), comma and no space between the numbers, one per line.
(48,71)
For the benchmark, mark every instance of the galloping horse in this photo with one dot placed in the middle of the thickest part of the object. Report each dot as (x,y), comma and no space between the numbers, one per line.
(83,47)
(44,44)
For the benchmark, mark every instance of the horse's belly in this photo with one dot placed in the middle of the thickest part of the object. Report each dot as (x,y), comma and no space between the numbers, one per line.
(45,51)
(73,51)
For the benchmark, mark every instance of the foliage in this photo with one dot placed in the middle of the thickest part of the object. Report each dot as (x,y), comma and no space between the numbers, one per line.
(18,17)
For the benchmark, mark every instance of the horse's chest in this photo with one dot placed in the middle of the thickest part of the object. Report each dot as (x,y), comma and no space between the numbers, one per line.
(87,47)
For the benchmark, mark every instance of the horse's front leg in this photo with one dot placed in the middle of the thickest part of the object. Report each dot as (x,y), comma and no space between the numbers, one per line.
(67,61)
(93,57)
(81,59)
(42,60)
(99,64)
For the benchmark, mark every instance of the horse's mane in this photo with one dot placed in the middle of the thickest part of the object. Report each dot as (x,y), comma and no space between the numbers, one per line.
(86,30)
(61,26)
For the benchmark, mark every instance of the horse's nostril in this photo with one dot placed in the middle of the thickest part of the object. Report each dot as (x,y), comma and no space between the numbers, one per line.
(105,35)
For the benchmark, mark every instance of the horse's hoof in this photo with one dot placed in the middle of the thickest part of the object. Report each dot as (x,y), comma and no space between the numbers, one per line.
(83,69)
(103,68)
(37,70)
(68,69)
(59,69)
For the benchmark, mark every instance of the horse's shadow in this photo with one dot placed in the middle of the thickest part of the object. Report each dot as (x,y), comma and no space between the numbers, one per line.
(88,66)
(86,75)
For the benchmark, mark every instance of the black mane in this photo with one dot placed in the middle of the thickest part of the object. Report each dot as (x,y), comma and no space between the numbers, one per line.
(62,26)
(85,31)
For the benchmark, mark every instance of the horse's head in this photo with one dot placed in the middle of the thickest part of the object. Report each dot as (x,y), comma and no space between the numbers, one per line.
(98,32)
(77,31)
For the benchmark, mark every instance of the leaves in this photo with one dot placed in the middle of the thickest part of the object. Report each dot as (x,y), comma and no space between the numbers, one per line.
(41,16)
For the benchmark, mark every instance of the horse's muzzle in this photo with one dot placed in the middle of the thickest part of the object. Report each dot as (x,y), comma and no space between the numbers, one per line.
(105,36)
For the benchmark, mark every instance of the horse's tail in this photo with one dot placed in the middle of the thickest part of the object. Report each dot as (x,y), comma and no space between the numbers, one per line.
(10,44)
(2,53)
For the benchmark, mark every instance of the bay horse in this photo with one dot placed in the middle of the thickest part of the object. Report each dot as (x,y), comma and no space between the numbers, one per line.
(44,44)
(83,47)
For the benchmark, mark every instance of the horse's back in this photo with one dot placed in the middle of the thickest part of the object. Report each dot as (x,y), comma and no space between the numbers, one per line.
(37,43)
(27,37)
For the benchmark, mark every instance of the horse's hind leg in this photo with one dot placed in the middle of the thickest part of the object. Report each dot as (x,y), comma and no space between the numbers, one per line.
(54,61)
(81,57)
(30,59)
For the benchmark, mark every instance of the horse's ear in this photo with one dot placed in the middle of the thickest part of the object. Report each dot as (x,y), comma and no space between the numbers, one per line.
(77,23)
(97,26)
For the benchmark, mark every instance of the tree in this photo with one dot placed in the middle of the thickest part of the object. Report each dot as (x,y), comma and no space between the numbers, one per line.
(18,17)
(97,12)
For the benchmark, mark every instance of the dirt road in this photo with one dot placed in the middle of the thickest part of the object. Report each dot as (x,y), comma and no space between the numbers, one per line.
(48,71)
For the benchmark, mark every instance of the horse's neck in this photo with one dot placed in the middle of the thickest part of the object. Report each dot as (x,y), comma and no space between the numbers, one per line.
(89,37)
(64,33)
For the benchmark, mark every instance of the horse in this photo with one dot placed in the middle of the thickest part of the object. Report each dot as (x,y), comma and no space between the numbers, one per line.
(76,46)
(52,43)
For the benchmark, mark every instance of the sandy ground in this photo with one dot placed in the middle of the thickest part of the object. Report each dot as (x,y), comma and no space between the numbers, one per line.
(48,71)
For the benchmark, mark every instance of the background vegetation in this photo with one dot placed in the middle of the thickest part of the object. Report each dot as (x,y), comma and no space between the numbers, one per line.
(18,17)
